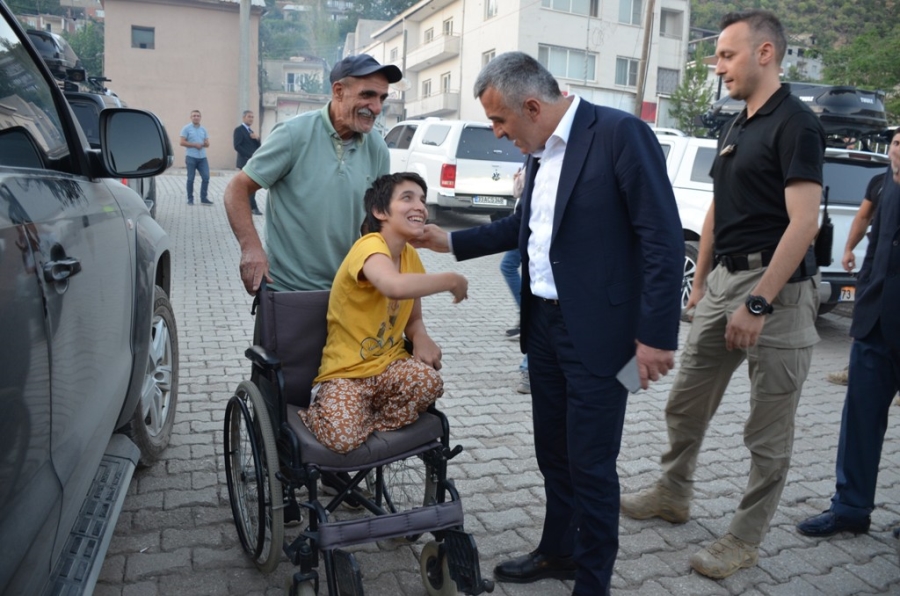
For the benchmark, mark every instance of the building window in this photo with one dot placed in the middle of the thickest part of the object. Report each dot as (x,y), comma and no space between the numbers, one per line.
(567,63)
(584,7)
(447,28)
(429,35)
(671,23)
(445,82)
(626,72)
(426,88)
(487,57)
(142,37)
(490,9)
(666,81)
(394,54)
(630,11)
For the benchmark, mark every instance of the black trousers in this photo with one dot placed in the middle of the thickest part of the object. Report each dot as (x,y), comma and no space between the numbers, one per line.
(578,419)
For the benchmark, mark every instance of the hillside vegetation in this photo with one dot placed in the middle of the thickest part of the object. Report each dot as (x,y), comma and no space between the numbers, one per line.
(858,40)
(833,23)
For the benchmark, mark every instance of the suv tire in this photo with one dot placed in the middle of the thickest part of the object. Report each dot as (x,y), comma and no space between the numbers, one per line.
(151,425)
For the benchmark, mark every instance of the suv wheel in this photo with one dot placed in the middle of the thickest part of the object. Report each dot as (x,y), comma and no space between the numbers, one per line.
(151,425)
(690,268)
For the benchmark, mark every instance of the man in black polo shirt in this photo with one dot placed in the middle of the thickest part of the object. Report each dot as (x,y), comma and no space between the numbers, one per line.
(759,303)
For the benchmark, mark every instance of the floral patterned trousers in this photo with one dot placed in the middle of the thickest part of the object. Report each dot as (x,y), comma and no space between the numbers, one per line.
(347,411)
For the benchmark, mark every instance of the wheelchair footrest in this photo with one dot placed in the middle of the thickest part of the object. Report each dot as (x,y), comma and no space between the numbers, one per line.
(347,574)
(462,562)
(432,518)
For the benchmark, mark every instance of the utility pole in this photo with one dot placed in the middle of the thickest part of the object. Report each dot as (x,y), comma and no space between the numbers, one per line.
(244,60)
(645,59)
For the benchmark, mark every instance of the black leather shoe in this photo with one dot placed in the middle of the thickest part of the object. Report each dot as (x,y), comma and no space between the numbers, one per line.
(829,524)
(534,566)
(255,211)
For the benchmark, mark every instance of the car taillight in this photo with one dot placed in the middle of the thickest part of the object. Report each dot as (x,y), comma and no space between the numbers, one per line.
(448,175)
(125,181)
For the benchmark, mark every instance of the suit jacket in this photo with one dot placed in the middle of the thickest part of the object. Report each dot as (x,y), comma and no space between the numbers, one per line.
(878,286)
(616,250)
(244,145)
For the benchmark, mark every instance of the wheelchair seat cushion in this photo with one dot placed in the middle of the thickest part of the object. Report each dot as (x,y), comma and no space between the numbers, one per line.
(381,447)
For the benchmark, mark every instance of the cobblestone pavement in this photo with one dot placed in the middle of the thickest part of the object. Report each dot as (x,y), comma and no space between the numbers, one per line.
(176,535)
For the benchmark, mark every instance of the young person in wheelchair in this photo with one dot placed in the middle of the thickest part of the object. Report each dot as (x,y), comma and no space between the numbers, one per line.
(368,380)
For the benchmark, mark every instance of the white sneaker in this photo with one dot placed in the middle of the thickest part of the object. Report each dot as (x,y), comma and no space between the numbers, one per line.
(524,383)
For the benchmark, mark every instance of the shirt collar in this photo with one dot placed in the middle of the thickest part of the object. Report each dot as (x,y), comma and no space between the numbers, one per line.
(329,126)
(564,128)
(773,102)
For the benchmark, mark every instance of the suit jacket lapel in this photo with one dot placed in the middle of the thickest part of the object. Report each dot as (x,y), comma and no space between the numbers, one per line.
(577,149)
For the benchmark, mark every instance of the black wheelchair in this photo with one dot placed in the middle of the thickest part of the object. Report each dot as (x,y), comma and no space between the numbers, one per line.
(274,467)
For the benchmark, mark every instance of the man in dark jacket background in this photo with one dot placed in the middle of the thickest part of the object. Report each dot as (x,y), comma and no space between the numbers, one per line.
(246,142)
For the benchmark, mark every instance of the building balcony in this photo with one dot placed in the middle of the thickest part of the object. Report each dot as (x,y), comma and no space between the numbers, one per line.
(438,104)
(434,52)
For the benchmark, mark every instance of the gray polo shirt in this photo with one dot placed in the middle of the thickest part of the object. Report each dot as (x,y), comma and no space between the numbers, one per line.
(315,203)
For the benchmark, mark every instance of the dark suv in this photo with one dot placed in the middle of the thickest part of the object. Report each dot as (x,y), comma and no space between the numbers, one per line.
(88,344)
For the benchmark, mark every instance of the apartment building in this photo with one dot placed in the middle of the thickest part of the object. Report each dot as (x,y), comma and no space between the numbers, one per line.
(593,47)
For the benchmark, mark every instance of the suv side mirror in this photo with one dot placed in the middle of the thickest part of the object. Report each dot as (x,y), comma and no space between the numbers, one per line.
(133,143)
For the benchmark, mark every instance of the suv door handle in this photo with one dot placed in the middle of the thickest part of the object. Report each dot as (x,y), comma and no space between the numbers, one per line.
(61,270)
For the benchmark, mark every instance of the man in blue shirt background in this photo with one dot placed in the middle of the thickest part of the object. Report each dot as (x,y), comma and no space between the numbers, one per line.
(195,138)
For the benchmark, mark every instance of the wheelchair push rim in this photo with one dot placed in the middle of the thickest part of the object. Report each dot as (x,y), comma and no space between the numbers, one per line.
(253,486)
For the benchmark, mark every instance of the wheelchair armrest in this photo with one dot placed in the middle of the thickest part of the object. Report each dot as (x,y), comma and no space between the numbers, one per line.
(263,358)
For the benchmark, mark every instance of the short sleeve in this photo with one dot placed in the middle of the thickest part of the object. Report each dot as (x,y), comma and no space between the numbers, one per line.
(802,148)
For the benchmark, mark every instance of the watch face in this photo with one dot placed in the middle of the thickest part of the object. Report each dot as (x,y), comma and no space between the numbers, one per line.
(758,305)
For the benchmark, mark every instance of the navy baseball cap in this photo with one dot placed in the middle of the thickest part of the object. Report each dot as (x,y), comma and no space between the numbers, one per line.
(363,65)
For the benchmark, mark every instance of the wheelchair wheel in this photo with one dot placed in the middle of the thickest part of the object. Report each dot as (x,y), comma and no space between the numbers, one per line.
(436,571)
(409,483)
(251,461)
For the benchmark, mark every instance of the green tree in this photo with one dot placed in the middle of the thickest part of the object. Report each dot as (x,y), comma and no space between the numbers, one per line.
(869,62)
(381,10)
(693,96)
(87,43)
(35,7)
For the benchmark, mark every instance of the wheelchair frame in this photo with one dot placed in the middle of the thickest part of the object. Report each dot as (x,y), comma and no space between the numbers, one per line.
(267,463)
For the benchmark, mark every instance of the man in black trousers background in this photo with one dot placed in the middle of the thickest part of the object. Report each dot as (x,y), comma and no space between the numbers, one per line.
(246,142)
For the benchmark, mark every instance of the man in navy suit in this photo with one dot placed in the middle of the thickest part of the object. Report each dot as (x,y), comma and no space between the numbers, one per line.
(602,257)
(246,142)
(874,376)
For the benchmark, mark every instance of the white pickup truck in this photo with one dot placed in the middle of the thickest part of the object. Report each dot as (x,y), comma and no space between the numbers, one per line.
(466,167)
(846,175)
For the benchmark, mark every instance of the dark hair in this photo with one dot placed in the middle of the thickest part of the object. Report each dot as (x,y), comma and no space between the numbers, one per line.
(764,25)
(517,76)
(378,197)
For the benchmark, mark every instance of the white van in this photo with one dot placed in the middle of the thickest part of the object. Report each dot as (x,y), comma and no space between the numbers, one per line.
(466,167)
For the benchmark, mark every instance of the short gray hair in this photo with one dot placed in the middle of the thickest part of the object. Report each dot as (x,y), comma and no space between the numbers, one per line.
(517,76)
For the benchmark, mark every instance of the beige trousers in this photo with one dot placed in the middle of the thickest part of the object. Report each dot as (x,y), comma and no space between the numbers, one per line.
(778,366)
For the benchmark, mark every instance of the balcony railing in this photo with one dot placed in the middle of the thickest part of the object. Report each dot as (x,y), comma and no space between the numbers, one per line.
(437,104)
(431,53)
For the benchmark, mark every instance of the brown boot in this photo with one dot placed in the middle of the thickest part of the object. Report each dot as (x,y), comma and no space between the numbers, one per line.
(725,556)
(657,501)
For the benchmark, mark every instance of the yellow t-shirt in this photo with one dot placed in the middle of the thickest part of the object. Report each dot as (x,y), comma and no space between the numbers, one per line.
(365,328)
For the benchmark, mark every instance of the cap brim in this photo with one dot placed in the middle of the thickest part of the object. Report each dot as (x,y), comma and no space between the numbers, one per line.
(391,72)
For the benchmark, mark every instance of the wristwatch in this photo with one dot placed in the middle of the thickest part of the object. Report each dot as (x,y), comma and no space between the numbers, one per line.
(758,306)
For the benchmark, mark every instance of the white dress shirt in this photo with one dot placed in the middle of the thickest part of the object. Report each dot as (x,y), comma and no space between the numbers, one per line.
(543,205)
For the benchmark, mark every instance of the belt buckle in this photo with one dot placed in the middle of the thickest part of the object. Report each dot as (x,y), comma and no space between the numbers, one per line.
(727,262)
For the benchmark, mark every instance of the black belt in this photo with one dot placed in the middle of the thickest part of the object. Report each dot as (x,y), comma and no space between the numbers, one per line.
(745,262)
(761,259)
(552,301)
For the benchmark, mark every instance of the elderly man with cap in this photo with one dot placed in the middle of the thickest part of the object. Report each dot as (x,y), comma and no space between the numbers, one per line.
(316,167)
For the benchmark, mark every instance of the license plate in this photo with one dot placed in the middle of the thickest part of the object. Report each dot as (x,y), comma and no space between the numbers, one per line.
(482,200)
(848,294)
